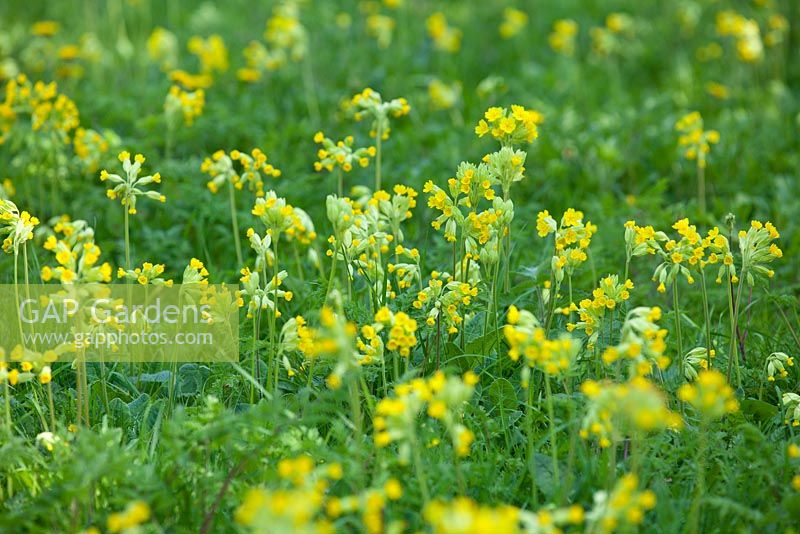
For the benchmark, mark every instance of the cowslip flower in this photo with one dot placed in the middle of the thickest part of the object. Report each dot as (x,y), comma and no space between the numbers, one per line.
(147,274)
(514,21)
(18,225)
(776,365)
(128,188)
(562,38)
(710,395)
(622,509)
(641,343)
(443,95)
(526,339)
(695,140)
(340,154)
(758,248)
(615,411)
(445,37)
(185,106)
(513,127)
(162,48)
(369,103)
(253,168)
(211,52)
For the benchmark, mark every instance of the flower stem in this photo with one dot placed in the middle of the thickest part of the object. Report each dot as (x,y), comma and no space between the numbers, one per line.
(127,239)
(235,224)
(677,311)
(332,275)
(530,440)
(701,186)
(552,417)
(733,353)
(692,523)
(378,141)
(709,346)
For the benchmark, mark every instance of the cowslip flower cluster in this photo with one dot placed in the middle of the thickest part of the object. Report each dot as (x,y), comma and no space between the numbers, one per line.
(19,226)
(513,127)
(261,294)
(127,189)
(776,365)
(195,273)
(29,364)
(514,21)
(443,95)
(443,517)
(758,248)
(77,262)
(401,330)
(91,146)
(606,296)
(147,274)
(445,299)
(749,46)
(367,230)
(480,231)
(632,408)
(696,361)
(253,168)
(641,343)
(183,106)
(506,167)
(621,509)
(695,141)
(191,81)
(298,504)
(50,113)
(562,38)
(442,397)
(614,36)
(791,407)
(135,514)
(340,154)
(369,103)
(686,256)
(572,239)
(710,395)
(381,28)
(285,34)
(211,52)
(527,339)
(445,37)
(162,48)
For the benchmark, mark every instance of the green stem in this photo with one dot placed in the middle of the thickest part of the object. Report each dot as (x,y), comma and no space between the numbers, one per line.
(378,142)
(692,524)
(333,273)
(706,316)
(420,469)
(8,408)
(235,224)
(127,239)
(530,440)
(677,311)
(52,406)
(355,408)
(733,353)
(273,366)
(551,415)
(701,186)
(311,95)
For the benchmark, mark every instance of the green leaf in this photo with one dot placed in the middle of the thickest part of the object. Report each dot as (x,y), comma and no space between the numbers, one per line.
(503,395)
